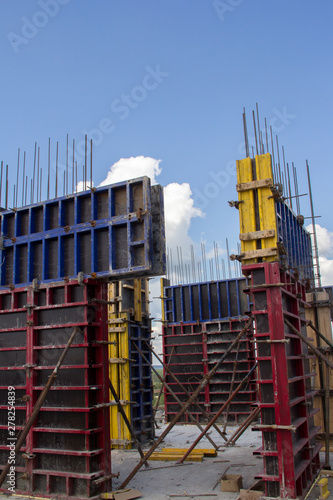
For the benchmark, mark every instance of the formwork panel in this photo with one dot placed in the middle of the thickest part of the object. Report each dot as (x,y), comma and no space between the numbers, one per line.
(113,230)
(269,229)
(130,371)
(206,301)
(67,448)
(192,350)
(289,449)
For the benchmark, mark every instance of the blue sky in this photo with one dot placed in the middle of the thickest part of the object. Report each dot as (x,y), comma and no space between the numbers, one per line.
(169,80)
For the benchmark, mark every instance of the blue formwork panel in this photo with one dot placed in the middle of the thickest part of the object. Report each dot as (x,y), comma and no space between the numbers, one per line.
(296,241)
(206,301)
(142,417)
(115,230)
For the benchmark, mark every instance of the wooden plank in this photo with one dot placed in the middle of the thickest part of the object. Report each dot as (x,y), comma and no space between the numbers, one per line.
(260,183)
(254,254)
(208,452)
(257,235)
(173,457)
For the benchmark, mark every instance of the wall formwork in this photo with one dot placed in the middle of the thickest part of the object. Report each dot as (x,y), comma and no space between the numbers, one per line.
(67,450)
(200,321)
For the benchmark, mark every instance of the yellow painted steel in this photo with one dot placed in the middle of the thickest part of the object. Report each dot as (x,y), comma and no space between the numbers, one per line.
(162,281)
(266,208)
(247,219)
(267,212)
(119,372)
(119,332)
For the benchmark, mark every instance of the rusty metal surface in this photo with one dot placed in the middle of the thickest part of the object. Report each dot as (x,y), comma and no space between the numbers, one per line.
(68,445)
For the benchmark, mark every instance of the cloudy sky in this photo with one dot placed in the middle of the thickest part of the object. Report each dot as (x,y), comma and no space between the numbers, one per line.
(160,87)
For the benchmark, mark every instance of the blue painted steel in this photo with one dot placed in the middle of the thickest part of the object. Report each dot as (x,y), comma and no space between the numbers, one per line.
(206,301)
(296,241)
(142,418)
(103,232)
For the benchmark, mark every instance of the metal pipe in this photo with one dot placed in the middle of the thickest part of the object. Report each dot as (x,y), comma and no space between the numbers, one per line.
(91,162)
(127,422)
(255,131)
(327,420)
(6,205)
(23,178)
(34,174)
(1,181)
(67,165)
(231,386)
(311,325)
(56,180)
(162,386)
(176,398)
(38,405)
(242,428)
(316,255)
(186,405)
(216,416)
(183,388)
(309,344)
(48,170)
(17,176)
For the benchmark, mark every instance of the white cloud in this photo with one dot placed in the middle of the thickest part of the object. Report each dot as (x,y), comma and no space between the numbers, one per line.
(179,212)
(130,168)
(325,251)
(326,271)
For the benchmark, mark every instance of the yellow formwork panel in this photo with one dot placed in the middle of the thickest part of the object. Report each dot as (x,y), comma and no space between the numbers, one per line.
(247,219)
(266,203)
(118,329)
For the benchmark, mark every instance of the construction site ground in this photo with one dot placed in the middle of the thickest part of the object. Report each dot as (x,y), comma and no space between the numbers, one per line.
(198,480)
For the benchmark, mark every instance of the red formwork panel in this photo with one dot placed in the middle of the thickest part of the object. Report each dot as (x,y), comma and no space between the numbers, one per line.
(67,451)
(191,351)
(285,377)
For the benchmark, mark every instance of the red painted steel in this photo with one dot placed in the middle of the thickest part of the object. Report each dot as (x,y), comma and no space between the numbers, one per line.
(68,447)
(198,346)
(289,451)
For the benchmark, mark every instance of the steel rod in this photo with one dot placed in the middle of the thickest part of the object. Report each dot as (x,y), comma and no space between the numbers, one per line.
(242,428)
(186,405)
(127,422)
(231,386)
(315,329)
(162,387)
(48,170)
(176,398)
(216,416)
(327,420)
(24,154)
(91,163)
(17,175)
(34,174)
(6,187)
(316,255)
(183,388)
(39,403)
(309,344)
(1,181)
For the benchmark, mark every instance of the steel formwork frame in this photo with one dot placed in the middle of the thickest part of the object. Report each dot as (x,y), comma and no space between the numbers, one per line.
(129,326)
(67,450)
(114,230)
(191,351)
(205,301)
(285,378)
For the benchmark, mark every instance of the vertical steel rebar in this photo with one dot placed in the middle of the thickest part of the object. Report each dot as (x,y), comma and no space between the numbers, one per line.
(316,254)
